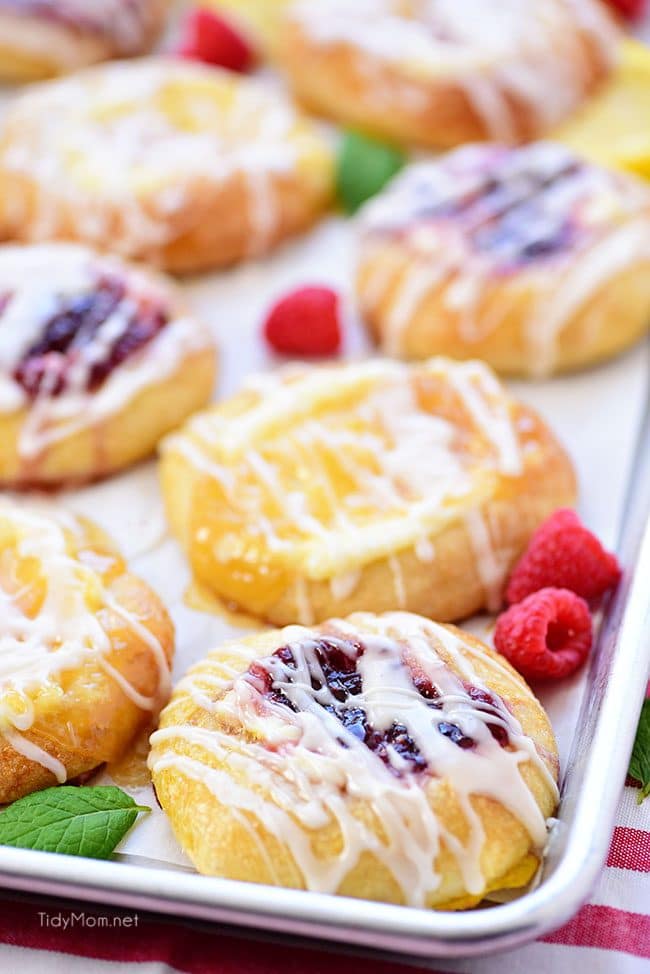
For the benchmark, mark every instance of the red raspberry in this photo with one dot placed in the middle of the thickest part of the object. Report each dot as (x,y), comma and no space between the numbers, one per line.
(564,554)
(547,636)
(305,322)
(632,9)
(208,37)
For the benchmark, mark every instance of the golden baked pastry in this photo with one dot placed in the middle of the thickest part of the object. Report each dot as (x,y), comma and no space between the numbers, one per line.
(41,38)
(529,258)
(166,160)
(384,757)
(85,650)
(98,360)
(371,486)
(443,72)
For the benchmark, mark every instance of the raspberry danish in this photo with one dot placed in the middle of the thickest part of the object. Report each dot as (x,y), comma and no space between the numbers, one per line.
(372,486)
(444,72)
(85,650)
(97,361)
(40,38)
(530,259)
(166,160)
(384,757)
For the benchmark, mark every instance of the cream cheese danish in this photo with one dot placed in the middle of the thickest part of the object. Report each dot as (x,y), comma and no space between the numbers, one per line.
(165,160)
(384,757)
(98,359)
(85,650)
(531,259)
(444,72)
(372,485)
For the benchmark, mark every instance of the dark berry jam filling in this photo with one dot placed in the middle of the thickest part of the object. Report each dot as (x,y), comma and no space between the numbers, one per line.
(48,366)
(337,667)
(520,211)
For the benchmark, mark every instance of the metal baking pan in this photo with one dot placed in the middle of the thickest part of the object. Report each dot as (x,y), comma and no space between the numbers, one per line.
(593,778)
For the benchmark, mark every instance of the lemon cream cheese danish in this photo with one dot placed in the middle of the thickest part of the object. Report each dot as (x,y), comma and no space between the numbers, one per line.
(85,650)
(375,485)
(444,72)
(530,259)
(166,160)
(384,757)
(40,38)
(98,360)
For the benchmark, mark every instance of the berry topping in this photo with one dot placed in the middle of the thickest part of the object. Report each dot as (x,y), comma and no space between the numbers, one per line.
(632,9)
(513,206)
(211,38)
(305,322)
(331,668)
(73,352)
(547,636)
(455,734)
(564,554)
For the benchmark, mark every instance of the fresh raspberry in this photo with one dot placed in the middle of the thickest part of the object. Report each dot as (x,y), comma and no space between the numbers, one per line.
(209,37)
(305,322)
(632,9)
(547,636)
(564,554)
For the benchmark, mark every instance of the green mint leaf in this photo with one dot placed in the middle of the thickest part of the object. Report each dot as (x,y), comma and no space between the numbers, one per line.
(640,760)
(364,167)
(73,820)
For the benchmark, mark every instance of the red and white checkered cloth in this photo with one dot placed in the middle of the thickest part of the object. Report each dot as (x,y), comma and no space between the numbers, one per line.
(611,935)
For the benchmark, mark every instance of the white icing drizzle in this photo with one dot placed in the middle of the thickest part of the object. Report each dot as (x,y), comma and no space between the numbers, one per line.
(65,634)
(425,550)
(623,248)
(36,280)
(297,770)
(492,570)
(611,212)
(388,470)
(343,586)
(497,53)
(398,581)
(36,754)
(144,134)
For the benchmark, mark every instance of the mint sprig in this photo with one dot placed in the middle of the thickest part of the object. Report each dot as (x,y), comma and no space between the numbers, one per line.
(76,821)
(364,167)
(640,760)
